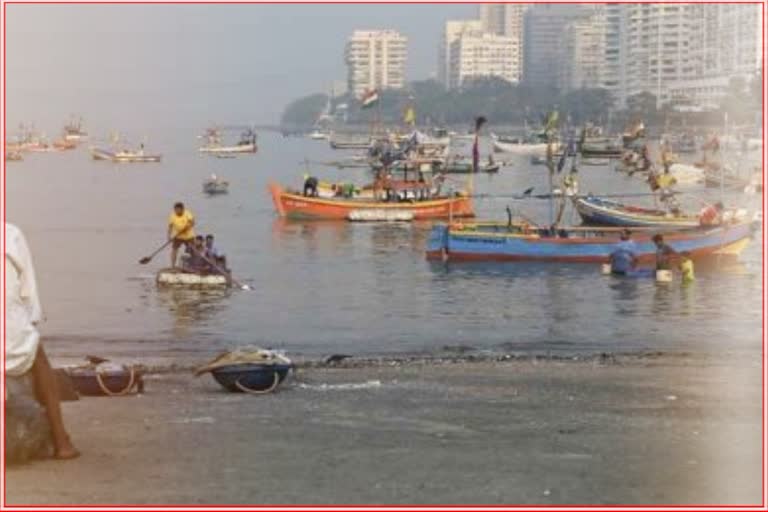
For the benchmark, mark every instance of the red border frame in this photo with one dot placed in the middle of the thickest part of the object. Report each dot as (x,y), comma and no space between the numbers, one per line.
(762,506)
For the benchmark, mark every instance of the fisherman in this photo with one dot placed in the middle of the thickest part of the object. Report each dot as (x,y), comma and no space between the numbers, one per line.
(213,254)
(180,229)
(24,355)
(686,267)
(623,259)
(310,186)
(195,258)
(664,253)
(712,215)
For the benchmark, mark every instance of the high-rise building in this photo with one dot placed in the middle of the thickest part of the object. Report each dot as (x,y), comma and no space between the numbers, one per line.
(375,60)
(614,65)
(453,30)
(582,52)
(482,54)
(543,29)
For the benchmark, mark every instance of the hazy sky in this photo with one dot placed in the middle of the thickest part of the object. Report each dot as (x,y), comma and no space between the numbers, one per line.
(134,64)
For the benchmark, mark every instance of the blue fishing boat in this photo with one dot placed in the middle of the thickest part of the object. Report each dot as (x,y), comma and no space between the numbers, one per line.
(603,212)
(524,242)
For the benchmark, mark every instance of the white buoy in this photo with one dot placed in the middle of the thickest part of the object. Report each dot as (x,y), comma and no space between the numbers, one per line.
(663,276)
(606,269)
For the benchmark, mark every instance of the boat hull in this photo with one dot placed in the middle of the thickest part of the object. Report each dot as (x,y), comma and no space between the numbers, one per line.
(177,277)
(240,148)
(296,206)
(494,242)
(595,211)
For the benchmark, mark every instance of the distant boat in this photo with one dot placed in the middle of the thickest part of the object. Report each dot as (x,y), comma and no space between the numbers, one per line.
(454,167)
(351,142)
(318,135)
(491,241)
(124,155)
(215,185)
(518,145)
(246,144)
(74,131)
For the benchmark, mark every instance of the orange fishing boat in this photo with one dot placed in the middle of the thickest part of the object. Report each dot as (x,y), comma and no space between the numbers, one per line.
(295,205)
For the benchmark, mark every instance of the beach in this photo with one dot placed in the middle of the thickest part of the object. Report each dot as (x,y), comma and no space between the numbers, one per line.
(645,428)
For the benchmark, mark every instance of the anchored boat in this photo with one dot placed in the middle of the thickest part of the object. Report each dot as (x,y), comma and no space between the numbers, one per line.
(523,242)
(602,212)
(295,205)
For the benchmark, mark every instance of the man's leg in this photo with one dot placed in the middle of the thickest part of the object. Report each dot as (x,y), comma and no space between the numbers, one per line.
(46,389)
(174,253)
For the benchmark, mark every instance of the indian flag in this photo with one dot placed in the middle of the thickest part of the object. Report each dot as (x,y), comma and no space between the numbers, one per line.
(370,98)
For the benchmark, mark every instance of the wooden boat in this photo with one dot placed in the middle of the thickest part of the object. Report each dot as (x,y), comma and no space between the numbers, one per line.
(124,155)
(337,142)
(215,185)
(601,148)
(519,146)
(294,205)
(522,242)
(454,167)
(180,277)
(602,212)
(407,189)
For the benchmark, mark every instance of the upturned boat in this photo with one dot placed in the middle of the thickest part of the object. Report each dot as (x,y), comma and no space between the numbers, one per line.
(523,242)
(602,212)
(292,204)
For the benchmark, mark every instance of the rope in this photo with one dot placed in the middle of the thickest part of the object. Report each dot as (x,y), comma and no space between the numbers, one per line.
(122,392)
(245,389)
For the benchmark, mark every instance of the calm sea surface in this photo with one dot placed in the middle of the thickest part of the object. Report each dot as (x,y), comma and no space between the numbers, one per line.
(322,287)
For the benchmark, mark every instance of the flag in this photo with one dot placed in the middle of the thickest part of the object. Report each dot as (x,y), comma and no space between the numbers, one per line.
(410,116)
(370,98)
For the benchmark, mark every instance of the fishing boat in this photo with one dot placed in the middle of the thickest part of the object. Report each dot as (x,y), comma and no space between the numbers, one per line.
(518,145)
(215,185)
(603,212)
(350,142)
(185,278)
(520,241)
(215,146)
(293,204)
(124,155)
(74,131)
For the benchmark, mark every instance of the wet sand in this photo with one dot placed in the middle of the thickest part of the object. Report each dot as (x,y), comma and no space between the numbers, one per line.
(651,429)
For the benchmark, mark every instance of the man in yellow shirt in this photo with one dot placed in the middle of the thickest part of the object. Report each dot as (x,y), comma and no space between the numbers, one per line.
(180,229)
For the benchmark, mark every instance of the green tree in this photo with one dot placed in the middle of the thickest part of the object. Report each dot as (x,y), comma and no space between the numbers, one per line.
(304,111)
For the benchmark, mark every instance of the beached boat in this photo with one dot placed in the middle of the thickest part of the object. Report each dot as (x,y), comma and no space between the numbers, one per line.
(518,146)
(523,242)
(180,277)
(602,212)
(124,155)
(295,205)
(215,185)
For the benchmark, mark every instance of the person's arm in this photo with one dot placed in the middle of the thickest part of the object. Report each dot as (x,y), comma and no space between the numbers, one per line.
(27,279)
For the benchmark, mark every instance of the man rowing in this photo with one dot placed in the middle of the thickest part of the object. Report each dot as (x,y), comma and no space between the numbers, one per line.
(180,229)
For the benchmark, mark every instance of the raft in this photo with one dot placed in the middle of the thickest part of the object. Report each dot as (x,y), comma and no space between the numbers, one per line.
(179,277)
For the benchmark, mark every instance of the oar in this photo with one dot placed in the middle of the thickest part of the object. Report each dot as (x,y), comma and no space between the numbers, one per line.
(220,270)
(147,259)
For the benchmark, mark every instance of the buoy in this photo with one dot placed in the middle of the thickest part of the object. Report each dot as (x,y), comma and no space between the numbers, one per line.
(606,269)
(663,276)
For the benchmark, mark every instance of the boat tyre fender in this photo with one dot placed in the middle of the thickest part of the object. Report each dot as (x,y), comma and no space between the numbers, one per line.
(127,389)
(250,391)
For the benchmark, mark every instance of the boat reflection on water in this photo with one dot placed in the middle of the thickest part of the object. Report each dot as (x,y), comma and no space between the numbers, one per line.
(192,308)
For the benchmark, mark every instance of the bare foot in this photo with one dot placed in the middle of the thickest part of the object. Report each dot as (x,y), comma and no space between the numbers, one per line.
(66,453)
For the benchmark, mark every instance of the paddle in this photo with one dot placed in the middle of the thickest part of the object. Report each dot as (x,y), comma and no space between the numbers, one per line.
(147,259)
(220,270)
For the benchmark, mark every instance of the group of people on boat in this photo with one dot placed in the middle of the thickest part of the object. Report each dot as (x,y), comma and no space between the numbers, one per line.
(200,252)
(624,261)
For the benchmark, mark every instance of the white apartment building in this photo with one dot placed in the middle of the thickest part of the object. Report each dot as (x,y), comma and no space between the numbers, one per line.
(375,60)
(482,54)
(614,64)
(453,30)
(582,52)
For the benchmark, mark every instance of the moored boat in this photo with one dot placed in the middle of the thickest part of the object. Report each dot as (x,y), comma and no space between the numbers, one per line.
(360,142)
(179,277)
(295,205)
(455,167)
(215,146)
(522,242)
(124,155)
(519,146)
(602,212)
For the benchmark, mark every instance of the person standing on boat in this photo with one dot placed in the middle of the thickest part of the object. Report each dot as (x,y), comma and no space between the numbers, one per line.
(181,224)
(623,259)
(24,354)
(664,253)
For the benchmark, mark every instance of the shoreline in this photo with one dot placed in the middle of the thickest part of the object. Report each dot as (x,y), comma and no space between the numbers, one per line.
(647,429)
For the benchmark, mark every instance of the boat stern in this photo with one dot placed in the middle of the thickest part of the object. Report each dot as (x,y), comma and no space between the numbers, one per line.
(437,243)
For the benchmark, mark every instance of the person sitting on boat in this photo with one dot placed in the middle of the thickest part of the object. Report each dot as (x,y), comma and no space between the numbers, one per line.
(623,259)
(310,186)
(664,253)
(712,215)
(213,253)
(195,258)
(180,229)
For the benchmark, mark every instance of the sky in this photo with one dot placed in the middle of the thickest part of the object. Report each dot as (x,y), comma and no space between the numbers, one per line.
(133,64)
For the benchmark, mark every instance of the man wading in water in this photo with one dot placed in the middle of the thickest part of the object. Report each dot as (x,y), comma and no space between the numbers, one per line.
(180,224)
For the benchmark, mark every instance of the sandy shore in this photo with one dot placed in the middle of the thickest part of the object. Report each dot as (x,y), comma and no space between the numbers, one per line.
(620,430)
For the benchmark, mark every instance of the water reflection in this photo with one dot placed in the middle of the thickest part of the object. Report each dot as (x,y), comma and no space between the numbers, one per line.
(191,308)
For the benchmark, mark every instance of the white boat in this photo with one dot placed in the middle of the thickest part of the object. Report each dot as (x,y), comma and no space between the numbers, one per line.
(246,144)
(124,155)
(74,131)
(519,146)
(318,135)
(179,277)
